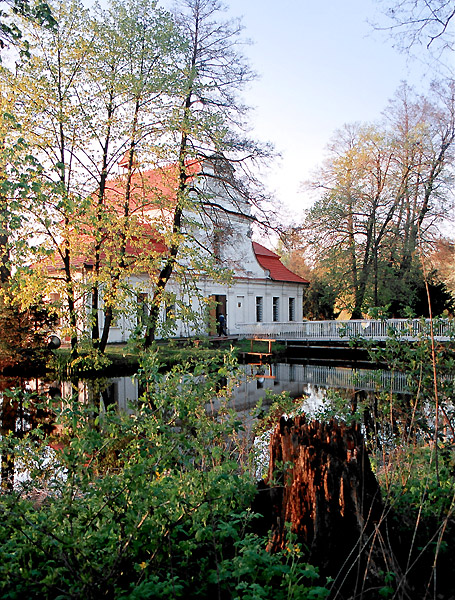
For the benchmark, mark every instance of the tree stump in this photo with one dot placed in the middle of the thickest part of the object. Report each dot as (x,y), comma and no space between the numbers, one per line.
(321,483)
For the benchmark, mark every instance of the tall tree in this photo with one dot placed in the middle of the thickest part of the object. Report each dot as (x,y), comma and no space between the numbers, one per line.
(135,48)
(95,103)
(208,123)
(44,89)
(383,191)
(424,135)
(350,221)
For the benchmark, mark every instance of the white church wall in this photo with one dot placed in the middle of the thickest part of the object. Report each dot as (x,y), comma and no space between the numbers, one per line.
(221,232)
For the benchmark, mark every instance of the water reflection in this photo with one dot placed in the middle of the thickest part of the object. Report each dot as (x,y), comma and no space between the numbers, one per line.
(309,382)
(304,380)
(21,412)
(255,384)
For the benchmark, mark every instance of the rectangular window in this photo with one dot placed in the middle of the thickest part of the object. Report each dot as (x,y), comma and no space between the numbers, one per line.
(259,306)
(291,309)
(276,309)
(55,300)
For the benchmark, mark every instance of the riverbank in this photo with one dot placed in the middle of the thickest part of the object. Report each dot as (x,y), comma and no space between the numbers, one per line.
(123,359)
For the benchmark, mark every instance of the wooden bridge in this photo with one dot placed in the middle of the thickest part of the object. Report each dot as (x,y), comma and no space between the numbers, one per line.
(343,331)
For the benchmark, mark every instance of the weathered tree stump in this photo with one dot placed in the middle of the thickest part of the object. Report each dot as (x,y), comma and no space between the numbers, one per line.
(321,484)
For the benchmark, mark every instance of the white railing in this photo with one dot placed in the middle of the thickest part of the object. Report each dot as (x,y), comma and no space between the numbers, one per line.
(410,329)
(343,377)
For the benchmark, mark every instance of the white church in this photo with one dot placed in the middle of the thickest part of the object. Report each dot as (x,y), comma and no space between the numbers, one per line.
(257,287)
(260,288)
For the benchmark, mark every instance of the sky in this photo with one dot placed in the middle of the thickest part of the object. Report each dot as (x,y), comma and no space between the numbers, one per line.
(321,65)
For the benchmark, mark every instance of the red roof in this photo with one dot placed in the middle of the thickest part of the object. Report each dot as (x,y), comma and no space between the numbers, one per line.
(272,262)
(146,242)
(153,189)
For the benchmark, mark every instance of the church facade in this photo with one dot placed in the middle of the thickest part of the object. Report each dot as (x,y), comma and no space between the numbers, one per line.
(220,274)
(258,287)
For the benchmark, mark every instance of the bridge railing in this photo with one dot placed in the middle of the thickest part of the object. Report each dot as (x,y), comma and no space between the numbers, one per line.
(411,329)
(342,377)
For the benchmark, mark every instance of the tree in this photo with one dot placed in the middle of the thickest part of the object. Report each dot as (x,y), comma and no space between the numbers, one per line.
(131,88)
(417,23)
(43,89)
(96,102)
(10,32)
(208,123)
(350,221)
(384,190)
(20,192)
(17,168)
(131,82)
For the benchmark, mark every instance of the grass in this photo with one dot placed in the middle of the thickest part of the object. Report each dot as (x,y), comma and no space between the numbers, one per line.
(121,359)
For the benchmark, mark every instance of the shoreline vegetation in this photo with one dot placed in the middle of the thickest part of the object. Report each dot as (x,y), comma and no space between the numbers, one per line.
(124,359)
(168,498)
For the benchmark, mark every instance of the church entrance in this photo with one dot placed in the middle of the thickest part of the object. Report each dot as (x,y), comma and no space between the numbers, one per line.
(218,307)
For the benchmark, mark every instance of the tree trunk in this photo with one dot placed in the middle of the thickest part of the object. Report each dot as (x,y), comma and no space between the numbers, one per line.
(184,131)
(5,271)
(8,426)
(99,222)
(66,257)
(321,484)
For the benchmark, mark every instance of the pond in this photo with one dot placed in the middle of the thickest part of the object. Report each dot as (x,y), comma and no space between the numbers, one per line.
(256,384)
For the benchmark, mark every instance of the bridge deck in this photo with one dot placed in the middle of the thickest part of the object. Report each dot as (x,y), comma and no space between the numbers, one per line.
(342,331)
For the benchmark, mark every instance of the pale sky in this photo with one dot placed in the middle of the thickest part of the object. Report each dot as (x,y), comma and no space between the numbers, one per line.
(321,65)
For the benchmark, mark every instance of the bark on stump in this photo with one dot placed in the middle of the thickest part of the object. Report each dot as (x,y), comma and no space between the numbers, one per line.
(321,483)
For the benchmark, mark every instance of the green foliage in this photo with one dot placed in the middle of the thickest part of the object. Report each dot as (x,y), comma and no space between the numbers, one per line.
(255,574)
(150,505)
(89,360)
(23,336)
(387,591)
(407,291)
(10,32)
(414,484)
(334,406)
(276,405)
(319,299)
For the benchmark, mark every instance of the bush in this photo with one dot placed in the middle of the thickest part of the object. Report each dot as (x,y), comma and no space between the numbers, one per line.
(151,505)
